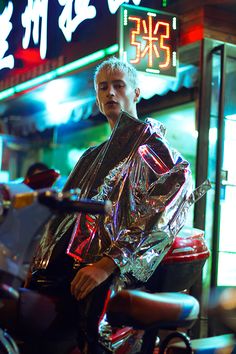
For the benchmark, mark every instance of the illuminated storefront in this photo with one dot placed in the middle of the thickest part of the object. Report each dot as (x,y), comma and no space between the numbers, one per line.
(48,51)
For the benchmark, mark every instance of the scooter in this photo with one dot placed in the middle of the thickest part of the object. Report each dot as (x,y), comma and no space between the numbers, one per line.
(168,310)
(23,213)
(163,303)
(18,239)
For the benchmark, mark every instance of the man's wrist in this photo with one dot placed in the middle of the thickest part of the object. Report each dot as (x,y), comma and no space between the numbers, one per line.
(107,264)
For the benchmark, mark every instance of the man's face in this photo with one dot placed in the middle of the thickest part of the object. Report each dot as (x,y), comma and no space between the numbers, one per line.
(115,93)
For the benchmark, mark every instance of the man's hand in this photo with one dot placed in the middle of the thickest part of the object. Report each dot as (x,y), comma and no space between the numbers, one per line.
(87,278)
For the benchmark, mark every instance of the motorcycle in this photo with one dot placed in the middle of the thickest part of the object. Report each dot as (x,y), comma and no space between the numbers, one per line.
(19,237)
(23,213)
(161,299)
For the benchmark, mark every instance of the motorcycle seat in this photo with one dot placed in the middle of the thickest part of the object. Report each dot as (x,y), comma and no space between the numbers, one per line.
(143,310)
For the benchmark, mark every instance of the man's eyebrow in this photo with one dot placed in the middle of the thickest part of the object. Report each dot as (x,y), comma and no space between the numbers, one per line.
(118,81)
(113,82)
(102,83)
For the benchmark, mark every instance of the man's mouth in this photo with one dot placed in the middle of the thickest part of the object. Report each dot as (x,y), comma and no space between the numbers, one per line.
(108,103)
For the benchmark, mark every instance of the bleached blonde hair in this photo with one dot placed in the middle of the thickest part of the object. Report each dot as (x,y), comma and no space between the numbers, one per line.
(114,64)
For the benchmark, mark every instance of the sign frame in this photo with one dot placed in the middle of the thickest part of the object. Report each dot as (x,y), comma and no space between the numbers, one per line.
(151,47)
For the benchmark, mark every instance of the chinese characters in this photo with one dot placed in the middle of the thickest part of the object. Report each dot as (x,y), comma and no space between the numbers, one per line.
(83,12)
(150,33)
(6,27)
(34,20)
(34,11)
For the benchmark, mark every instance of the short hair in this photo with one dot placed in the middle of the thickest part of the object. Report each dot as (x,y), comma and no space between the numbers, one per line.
(37,166)
(115,64)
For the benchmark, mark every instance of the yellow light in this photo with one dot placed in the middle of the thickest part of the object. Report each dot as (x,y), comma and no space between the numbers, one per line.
(165,47)
(135,33)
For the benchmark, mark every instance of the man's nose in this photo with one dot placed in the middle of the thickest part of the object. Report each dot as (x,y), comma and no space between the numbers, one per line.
(110,91)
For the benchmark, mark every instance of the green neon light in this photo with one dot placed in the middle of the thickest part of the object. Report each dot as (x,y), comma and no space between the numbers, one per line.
(164,3)
(7,93)
(80,63)
(34,82)
(77,64)
(112,49)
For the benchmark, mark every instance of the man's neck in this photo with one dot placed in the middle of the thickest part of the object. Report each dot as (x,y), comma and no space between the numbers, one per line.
(112,120)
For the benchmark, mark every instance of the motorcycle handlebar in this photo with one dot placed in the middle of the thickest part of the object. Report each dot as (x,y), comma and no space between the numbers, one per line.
(63,203)
(67,202)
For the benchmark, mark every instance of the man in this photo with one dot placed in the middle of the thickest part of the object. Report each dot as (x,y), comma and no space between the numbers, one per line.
(114,94)
(81,256)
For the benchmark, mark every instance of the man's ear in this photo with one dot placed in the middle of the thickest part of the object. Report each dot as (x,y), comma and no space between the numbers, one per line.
(137,94)
(97,102)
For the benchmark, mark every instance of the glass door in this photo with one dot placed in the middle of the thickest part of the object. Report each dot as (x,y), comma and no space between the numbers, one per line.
(220,211)
(226,270)
(215,160)
(216,146)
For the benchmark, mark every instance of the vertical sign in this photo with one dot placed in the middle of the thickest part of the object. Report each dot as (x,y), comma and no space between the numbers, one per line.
(148,39)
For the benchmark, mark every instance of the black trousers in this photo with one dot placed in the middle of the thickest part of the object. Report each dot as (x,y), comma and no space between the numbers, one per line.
(57,323)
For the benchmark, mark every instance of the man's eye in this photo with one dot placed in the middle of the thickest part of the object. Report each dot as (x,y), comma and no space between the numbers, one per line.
(102,87)
(119,85)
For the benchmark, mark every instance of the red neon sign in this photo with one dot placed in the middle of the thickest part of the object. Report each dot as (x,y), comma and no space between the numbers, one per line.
(148,39)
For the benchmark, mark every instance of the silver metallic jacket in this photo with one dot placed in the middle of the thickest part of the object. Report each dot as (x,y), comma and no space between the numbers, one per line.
(148,184)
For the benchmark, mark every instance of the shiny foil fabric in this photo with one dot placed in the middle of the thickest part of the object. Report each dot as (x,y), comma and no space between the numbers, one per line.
(149,185)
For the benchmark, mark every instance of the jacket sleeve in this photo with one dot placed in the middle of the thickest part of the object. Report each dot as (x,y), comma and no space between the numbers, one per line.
(150,210)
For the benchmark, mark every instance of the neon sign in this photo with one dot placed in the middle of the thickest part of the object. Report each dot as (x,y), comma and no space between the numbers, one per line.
(148,39)
(6,61)
(35,18)
(34,12)
(67,23)
(34,23)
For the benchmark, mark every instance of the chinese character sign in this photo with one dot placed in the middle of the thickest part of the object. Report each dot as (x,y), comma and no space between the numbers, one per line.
(6,61)
(34,12)
(83,11)
(148,40)
(47,25)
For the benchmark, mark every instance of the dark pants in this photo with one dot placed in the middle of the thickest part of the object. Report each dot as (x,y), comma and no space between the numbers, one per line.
(56,323)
